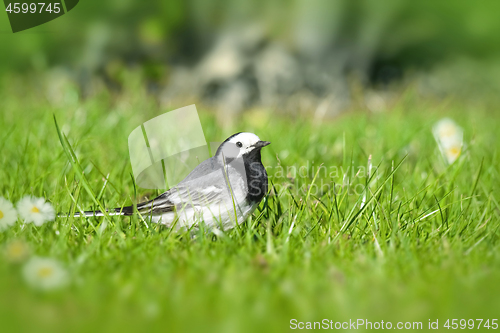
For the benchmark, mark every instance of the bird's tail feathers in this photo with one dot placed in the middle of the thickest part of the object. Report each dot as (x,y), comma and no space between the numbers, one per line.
(126,211)
(143,208)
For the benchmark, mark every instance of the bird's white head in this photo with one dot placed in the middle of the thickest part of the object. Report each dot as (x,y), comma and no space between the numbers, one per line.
(240,144)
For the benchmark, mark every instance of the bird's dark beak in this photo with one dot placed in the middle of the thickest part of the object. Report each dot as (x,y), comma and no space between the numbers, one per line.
(261,144)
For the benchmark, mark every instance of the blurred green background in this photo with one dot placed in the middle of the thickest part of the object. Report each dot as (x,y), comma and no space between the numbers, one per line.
(291,56)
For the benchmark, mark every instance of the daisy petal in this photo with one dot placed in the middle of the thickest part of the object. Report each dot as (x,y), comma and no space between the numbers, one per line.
(35,210)
(8,215)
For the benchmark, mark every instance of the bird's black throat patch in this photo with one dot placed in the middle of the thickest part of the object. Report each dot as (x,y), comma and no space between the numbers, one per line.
(256,176)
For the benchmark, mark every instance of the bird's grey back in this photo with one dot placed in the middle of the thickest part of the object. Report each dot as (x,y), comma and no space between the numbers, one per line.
(205,168)
(210,182)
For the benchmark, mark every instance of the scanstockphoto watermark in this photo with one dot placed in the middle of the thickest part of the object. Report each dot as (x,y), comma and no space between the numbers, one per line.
(365,324)
(165,149)
(334,179)
(26,14)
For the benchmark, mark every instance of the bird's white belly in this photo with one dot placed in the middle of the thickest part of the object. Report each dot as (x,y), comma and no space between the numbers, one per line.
(221,217)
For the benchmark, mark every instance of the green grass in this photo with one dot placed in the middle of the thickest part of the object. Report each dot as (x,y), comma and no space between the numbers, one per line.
(305,254)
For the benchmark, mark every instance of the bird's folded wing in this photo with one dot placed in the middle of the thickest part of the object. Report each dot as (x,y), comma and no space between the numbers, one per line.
(159,205)
(181,197)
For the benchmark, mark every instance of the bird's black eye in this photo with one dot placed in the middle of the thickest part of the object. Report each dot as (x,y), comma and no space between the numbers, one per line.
(239,144)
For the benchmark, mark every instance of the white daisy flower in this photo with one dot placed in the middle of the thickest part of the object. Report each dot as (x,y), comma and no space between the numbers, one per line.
(449,137)
(8,215)
(35,210)
(447,129)
(452,151)
(45,274)
(16,251)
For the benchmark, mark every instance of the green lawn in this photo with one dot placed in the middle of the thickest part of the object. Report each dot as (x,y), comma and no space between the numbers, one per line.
(306,254)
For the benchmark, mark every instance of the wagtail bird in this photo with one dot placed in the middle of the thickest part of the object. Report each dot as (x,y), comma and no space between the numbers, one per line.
(220,192)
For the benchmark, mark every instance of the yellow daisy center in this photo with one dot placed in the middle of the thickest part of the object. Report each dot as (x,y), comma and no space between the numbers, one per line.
(35,210)
(45,272)
(16,249)
(454,151)
(1,214)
